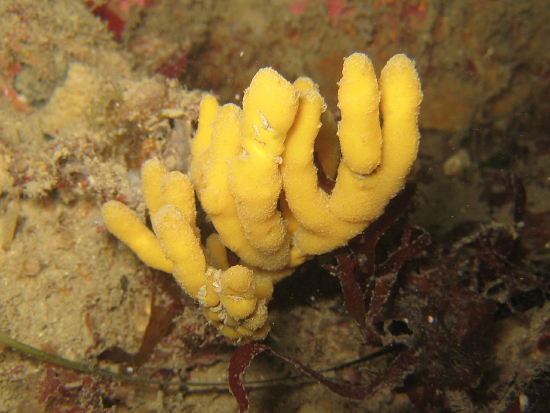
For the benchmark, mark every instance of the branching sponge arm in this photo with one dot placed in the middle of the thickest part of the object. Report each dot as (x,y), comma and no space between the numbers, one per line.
(181,245)
(357,198)
(269,108)
(359,101)
(125,224)
(372,170)
(201,141)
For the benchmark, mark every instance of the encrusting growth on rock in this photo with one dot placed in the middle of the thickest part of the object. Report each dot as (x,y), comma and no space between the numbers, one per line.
(253,171)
